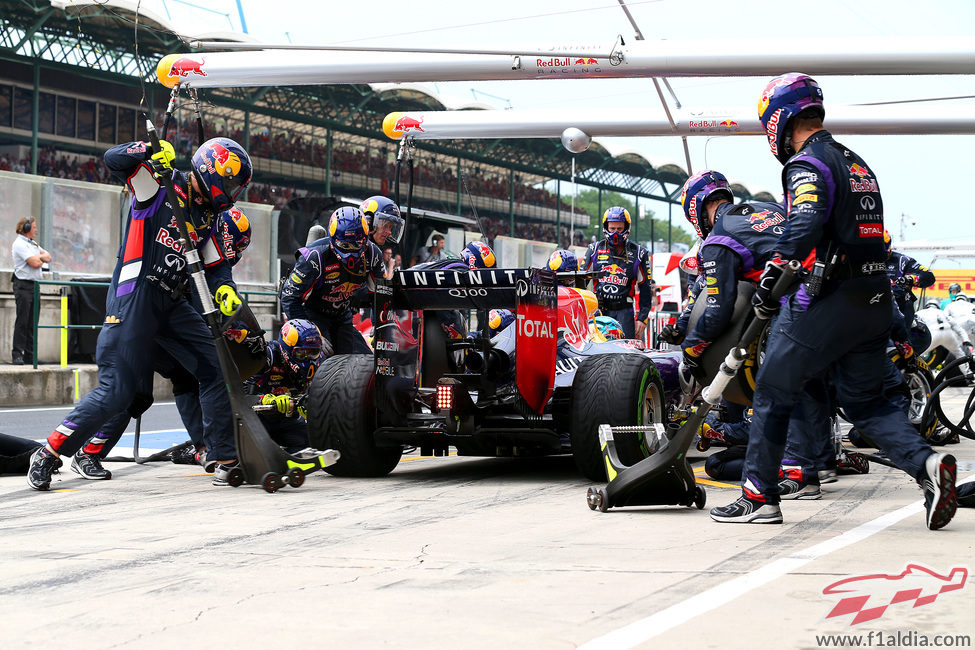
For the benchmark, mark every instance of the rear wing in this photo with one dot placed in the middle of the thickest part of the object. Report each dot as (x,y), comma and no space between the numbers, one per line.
(456,289)
(400,326)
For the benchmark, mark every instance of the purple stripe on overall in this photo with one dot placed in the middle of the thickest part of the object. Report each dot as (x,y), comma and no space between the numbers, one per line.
(746,255)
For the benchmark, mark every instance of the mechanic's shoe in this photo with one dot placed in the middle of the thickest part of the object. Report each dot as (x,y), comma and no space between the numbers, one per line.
(42,465)
(826,476)
(748,511)
(940,498)
(966,495)
(208,465)
(852,462)
(89,466)
(792,489)
(184,455)
(221,473)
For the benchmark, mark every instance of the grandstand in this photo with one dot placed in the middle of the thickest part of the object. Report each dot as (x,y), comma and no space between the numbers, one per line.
(69,87)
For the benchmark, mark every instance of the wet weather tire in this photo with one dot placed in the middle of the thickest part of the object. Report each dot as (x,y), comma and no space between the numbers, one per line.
(342,416)
(614,389)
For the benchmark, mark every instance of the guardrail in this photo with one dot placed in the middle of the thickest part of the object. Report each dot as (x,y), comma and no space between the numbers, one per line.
(65,325)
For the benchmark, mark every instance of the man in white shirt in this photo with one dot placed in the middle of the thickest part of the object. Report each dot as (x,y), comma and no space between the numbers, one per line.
(28,257)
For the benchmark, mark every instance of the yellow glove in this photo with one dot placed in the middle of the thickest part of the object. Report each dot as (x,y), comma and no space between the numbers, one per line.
(163,159)
(228,300)
(302,412)
(283,403)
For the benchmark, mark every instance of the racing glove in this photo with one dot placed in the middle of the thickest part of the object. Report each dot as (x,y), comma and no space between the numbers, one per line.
(227,299)
(162,160)
(904,349)
(670,334)
(765,305)
(907,280)
(283,403)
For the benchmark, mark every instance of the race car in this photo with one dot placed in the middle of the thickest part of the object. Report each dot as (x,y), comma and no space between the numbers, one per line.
(540,386)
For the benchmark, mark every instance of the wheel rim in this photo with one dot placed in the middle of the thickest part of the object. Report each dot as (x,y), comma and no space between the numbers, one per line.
(651,411)
(920,392)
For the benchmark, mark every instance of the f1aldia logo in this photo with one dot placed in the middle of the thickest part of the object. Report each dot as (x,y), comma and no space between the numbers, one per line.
(868,597)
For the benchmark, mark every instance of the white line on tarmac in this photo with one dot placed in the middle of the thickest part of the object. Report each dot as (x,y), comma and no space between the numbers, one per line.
(67,407)
(651,626)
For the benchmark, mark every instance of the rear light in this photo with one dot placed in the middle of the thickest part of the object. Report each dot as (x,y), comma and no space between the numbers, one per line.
(445,397)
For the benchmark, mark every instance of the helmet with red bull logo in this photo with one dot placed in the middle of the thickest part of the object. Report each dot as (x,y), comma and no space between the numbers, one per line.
(784,98)
(223,169)
(564,261)
(235,228)
(498,319)
(698,189)
(616,213)
(478,255)
(887,241)
(349,234)
(385,220)
(301,346)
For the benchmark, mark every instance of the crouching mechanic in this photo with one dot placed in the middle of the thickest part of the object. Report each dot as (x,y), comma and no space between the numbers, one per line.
(225,246)
(147,298)
(736,240)
(905,274)
(327,273)
(291,364)
(840,318)
(624,282)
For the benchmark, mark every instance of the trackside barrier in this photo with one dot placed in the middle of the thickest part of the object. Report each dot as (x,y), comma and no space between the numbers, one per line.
(65,325)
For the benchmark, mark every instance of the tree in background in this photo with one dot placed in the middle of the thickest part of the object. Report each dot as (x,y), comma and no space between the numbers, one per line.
(588,200)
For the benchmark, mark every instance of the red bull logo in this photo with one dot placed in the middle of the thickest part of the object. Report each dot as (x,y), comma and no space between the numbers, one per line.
(729,123)
(859,170)
(174,68)
(405,124)
(868,597)
(587,61)
(226,162)
(396,125)
(614,274)
(762,221)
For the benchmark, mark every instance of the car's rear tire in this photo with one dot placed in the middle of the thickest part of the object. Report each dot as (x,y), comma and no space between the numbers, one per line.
(614,389)
(341,416)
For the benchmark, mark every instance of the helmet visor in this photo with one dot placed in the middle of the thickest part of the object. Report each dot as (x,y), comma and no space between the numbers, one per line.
(392,227)
(234,185)
(302,355)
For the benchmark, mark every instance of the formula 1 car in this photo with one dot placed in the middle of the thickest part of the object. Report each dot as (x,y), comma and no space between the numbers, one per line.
(540,386)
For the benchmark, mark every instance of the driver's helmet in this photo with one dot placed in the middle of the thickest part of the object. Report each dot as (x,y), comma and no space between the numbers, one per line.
(785,97)
(235,232)
(223,169)
(698,189)
(349,233)
(564,261)
(609,327)
(887,242)
(381,210)
(616,213)
(498,319)
(478,255)
(301,346)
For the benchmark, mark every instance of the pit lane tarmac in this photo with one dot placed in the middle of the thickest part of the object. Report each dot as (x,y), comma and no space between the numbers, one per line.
(468,553)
